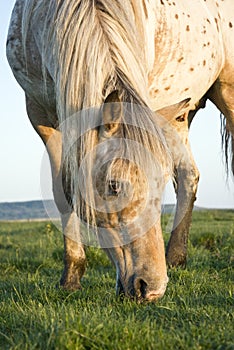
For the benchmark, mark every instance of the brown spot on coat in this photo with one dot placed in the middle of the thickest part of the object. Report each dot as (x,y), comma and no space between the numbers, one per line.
(217,26)
(176,16)
(230,24)
(167,88)
(187,28)
(180,59)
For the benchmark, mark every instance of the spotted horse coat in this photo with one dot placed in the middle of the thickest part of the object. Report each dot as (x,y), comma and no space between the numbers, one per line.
(184,56)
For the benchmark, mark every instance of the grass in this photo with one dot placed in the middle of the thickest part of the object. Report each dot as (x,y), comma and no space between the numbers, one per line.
(195,313)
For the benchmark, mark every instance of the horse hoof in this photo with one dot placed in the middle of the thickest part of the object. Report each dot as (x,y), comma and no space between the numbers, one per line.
(70,286)
(176,261)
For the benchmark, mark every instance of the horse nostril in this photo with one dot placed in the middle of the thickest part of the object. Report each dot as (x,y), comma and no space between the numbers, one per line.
(140,288)
(143,287)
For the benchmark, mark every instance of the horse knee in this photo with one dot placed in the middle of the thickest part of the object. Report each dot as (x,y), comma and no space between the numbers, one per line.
(194,179)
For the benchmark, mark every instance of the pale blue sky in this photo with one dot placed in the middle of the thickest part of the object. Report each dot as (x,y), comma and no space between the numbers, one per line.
(21,150)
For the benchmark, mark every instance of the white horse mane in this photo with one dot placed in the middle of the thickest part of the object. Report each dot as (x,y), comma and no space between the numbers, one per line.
(91,48)
(88,41)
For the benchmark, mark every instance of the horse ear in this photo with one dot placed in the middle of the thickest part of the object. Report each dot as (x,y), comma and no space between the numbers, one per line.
(112,113)
(173,111)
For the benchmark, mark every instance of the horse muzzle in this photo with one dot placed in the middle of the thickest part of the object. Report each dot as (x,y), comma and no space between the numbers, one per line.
(141,290)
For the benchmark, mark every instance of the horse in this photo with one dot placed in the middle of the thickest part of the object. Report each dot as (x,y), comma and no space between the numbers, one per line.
(111,88)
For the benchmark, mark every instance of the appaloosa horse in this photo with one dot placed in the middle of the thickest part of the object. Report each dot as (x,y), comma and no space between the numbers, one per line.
(94,74)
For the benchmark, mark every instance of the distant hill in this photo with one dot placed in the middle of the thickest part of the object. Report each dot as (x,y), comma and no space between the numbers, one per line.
(28,210)
(36,210)
(170,208)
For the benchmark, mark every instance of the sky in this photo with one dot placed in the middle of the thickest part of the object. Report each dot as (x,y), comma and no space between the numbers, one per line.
(21,150)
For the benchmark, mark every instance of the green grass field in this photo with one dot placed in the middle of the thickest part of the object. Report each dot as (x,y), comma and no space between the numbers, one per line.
(196,312)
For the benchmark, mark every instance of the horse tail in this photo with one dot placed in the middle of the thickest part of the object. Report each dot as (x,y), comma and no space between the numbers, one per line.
(227,145)
(232,155)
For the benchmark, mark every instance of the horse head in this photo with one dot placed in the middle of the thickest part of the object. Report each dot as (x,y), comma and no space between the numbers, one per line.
(129,175)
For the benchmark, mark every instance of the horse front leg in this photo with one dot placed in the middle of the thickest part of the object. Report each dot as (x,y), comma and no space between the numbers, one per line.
(186,181)
(74,254)
(186,178)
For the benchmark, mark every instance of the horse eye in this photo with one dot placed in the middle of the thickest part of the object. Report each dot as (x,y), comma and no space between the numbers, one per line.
(114,187)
